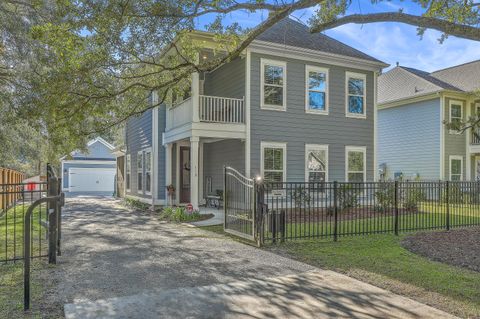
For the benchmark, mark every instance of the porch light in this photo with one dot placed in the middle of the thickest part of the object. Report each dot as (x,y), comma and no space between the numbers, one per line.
(258,178)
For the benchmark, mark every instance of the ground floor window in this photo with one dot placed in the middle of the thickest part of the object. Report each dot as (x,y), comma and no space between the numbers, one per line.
(456,168)
(128,170)
(274,162)
(148,171)
(316,163)
(355,163)
(140,171)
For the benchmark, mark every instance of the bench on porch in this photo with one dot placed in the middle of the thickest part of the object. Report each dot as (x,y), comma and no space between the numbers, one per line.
(215,200)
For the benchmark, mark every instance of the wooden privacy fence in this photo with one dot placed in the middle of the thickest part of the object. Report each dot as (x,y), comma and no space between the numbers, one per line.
(10,180)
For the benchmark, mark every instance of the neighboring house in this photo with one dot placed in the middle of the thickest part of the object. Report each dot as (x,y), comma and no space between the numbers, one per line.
(294,107)
(412,139)
(92,171)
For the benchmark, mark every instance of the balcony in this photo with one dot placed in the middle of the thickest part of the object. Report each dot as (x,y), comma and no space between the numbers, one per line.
(210,116)
(475,139)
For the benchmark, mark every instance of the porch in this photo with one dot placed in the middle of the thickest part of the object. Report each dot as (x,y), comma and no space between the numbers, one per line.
(194,166)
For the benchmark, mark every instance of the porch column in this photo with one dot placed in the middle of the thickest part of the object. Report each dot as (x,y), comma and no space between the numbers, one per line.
(468,135)
(194,168)
(168,171)
(195,96)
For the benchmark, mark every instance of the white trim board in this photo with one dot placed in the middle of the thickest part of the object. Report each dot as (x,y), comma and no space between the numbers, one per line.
(281,145)
(360,76)
(272,107)
(308,69)
(96,162)
(450,159)
(362,149)
(316,147)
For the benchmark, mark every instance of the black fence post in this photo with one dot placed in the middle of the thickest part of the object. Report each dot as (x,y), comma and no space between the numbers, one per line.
(396,208)
(447,200)
(259,210)
(224,197)
(52,211)
(335,210)
(59,204)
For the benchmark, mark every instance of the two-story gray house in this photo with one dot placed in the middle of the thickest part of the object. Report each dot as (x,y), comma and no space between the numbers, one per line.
(295,106)
(412,137)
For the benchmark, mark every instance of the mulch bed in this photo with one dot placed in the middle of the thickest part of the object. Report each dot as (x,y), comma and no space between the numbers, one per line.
(459,247)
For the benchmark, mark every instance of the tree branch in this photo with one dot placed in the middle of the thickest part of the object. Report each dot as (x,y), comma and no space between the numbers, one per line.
(450,28)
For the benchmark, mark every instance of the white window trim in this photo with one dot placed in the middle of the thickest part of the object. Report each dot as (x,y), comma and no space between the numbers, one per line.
(316,147)
(450,103)
(362,149)
(450,159)
(147,150)
(362,76)
(271,107)
(128,170)
(308,69)
(140,191)
(263,146)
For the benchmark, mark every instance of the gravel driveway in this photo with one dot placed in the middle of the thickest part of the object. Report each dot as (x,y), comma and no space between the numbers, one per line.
(118,263)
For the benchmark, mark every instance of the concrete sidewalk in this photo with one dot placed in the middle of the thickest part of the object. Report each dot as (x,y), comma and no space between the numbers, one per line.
(316,294)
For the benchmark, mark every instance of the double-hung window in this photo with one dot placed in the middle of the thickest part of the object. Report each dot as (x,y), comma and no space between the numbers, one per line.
(456,115)
(355,163)
(128,171)
(148,171)
(274,162)
(316,163)
(140,171)
(456,168)
(316,98)
(356,95)
(274,80)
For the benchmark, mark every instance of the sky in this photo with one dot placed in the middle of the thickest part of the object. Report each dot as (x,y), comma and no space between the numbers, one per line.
(389,42)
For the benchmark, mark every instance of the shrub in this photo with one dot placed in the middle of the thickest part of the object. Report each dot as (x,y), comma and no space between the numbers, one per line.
(179,214)
(456,195)
(301,197)
(412,196)
(347,196)
(385,196)
(136,204)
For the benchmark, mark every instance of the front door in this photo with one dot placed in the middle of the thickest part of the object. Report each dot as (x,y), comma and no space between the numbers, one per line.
(184,174)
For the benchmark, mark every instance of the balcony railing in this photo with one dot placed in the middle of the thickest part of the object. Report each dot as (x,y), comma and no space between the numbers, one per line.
(217,109)
(211,109)
(476,137)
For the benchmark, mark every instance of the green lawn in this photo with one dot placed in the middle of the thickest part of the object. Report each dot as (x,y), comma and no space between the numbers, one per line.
(11,292)
(382,261)
(11,232)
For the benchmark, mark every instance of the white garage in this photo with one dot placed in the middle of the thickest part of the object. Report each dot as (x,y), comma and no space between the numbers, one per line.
(91,179)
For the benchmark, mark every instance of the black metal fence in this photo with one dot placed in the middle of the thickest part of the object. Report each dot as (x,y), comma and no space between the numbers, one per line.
(12,214)
(332,209)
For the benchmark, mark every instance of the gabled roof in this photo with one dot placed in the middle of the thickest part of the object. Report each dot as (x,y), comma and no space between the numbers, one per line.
(403,82)
(90,143)
(293,33)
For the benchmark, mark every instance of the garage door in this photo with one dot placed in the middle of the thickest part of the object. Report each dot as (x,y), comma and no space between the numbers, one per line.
(91,179)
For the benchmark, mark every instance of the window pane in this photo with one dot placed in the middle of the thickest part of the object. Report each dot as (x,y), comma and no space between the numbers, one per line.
(355,86)
(147,182)
(148,161)
(273,95)
(316,100)
(317,161)
(273,159)
(355,104)
(139,160)
(456,111)
(456,177)
(139,181)
(273,177)
(316,177)
(273,74)
(355,161)
(456,167)
(316,81)
(355,177)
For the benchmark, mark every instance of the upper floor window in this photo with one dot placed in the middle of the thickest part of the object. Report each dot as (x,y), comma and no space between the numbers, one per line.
(140,171)
(317,87)
(148,171)
(355,163)
(456,114)
(456,168)
(274,162)
(128,170)
(316,166)
(274,80)
(356,95)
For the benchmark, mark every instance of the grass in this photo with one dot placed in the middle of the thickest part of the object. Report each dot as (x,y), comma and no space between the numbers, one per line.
(11,232)
(11,292)
(382,261)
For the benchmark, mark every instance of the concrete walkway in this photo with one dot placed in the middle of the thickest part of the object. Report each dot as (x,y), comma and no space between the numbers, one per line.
(122,264)
(217,219)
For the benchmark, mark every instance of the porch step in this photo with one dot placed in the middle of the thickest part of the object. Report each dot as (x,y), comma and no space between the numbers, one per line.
(316,294)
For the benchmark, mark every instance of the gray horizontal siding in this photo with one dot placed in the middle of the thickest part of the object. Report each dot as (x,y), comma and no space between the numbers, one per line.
(138,136)
(216,156)
(409,139)
(67,166)
(297,128)
(227,81)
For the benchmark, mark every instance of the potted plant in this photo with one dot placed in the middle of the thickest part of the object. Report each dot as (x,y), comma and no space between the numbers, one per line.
(170,189)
